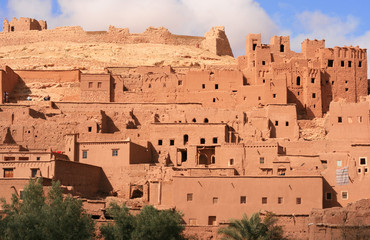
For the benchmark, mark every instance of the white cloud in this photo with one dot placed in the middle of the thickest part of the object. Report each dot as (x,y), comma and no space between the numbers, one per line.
(188,17)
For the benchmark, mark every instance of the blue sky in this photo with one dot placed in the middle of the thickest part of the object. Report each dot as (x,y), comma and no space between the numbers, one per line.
(338,22)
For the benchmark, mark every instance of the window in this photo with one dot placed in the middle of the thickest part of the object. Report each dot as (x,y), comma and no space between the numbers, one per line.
(189,197)
(89,129)
(359,119)
(276,123)
(23,158)
(263,63)
(366,170)
(281,171)
(21,194)
(254,46)
(9,158)
(328,196)
(84,154)
(359,170)
(206,120)
(298,200)
(215,140)
(298,81)
(330,63)
(339,163)
(362,161)
(150,85)
(213,159)
(203,86)
(262,160)
(312,80)
(193,222)
(280,200)
(243,199)
(216,86)
(160,142)
(281,48)
(186,139)
(359,64)
(115,152)
(214,100)
(342,63)
(179,82)
(99,84)
(339,119)
(34,172)
(202,141)
(349,63)
(344,195)
(172,142)
(38,158)
(212,220)
(274,95)
(346,89)
(287,123)
(194,120)
(8,172)
(231,161)
(90,84)
(264,200)
(12,28)
(313,95)
(215,200)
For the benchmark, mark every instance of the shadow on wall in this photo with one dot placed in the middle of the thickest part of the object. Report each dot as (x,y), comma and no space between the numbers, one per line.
(37,114)
(21,92)
(301,110)
(333,202)
(326,91)
(109,126)
(105,187)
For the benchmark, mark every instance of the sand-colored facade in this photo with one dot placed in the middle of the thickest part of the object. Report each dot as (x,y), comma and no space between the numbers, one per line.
(211,141)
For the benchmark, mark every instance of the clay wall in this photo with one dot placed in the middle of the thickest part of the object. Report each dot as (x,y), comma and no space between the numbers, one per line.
(24,169)
(260,158)
(57,76)
(349,121)
(310,48)
(84,178)
(96,87)
(221,196)
(283,121)
(8,80)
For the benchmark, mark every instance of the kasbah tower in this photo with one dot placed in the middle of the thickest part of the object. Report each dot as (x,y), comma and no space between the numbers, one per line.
(202,132)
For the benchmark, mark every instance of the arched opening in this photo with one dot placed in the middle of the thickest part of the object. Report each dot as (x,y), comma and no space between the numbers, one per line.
(194,120)
(298,81)
(12,28)
(281,48)
(206,120)
(186,139)
(213,159)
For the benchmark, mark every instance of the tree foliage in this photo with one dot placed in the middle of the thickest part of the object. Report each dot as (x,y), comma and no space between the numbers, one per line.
(149,224)
(40,217)
(253,228)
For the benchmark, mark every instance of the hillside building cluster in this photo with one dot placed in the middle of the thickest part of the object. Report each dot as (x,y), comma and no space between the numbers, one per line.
(211,141)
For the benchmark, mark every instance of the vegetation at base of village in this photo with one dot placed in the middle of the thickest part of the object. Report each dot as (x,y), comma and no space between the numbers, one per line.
(37,216)
(253,228)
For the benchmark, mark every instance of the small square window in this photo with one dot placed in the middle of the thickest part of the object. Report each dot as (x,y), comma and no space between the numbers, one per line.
(264,200)
(90,84)
(262,160)
(160,142)
(359,64)
(179,82)
(359,170)
(274,95)
(99,84)
(342,63)
(339,163)
(359,119)
(313,95)
(328,196)
(287,123)
(203,86)
(298,200)
(89,129)
(280,200)
(330,63)
(344,195)
(263,63)
(243,199)
(346,89)
(38,158)
(189,197)
(339,119)
(349,63)
(366,170)
(276,123)
(231,162)
(114,152)
(215,140)
(312,80)
(202,141)
(84,154)
(34,172)
(215,200)
(172,142)
(362,161)
(21,195)
(263,81)
(216,86)
(8,172)
(212,220)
